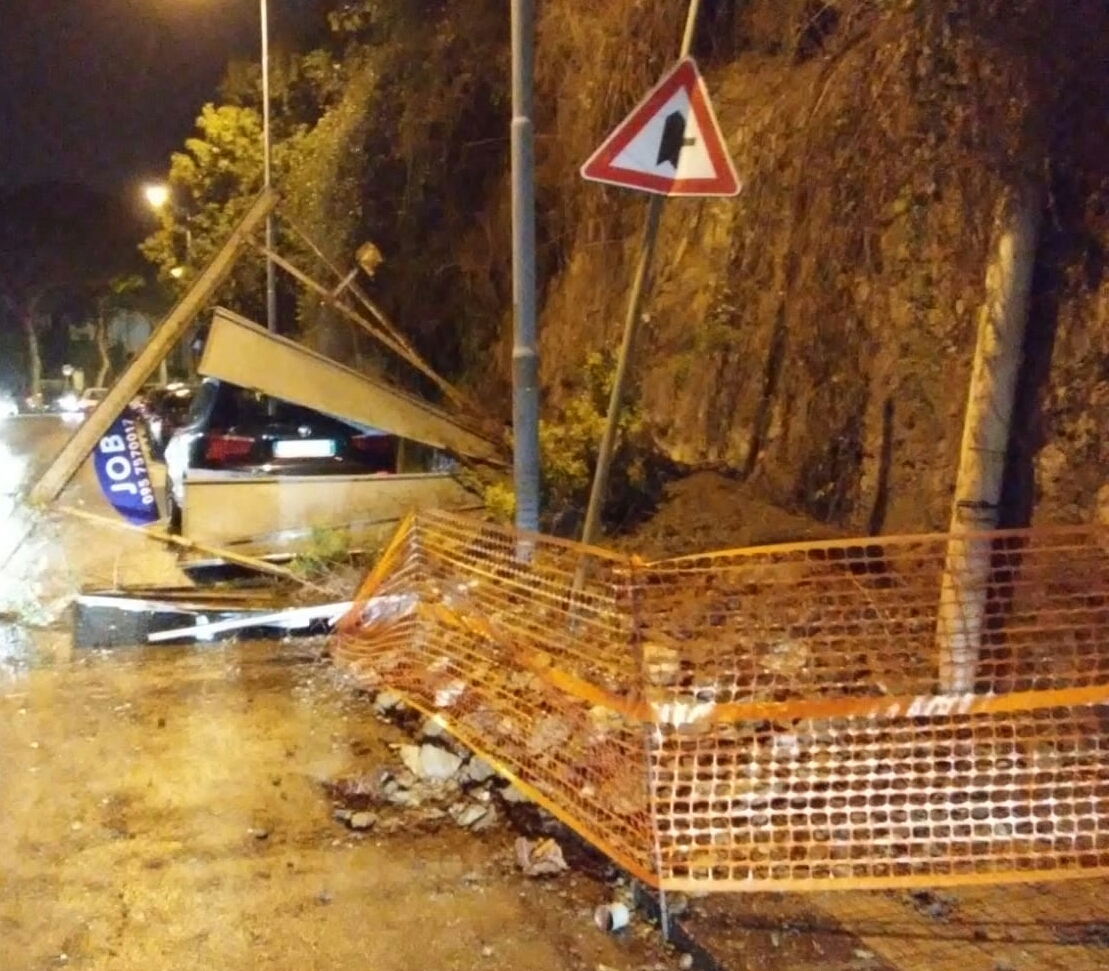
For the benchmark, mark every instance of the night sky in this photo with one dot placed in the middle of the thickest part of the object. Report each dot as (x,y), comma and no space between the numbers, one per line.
(102,91)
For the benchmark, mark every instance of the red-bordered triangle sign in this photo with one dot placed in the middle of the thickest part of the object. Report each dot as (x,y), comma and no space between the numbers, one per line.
(670,144)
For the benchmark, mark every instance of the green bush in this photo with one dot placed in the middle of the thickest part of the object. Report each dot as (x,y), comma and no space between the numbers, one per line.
(327,548)
(568,448)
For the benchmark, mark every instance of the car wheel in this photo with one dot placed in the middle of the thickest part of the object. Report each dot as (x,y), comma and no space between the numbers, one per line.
(173,513)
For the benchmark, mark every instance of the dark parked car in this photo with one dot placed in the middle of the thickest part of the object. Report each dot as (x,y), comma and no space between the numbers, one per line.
(233,429)
(164,409)
(54,395)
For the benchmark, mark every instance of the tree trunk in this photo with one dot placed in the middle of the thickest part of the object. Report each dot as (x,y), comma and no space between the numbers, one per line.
(1002,322)
(102,349)
(34,358)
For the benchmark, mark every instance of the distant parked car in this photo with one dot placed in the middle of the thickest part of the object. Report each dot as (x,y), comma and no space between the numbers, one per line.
(162,411)
(231,428)
(90,399)
(53,396)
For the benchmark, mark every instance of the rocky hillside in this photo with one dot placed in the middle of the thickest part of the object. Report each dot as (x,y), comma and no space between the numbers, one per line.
(815,334)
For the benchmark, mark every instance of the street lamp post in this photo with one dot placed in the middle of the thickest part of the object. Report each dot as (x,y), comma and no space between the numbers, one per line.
(158,196)
(271,291)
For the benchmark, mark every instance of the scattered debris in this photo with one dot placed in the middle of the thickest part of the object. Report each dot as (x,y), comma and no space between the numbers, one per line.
(478,771)
(427,787)
(468,815)
(685,962)
(1093,934)
(362,820)
(541,859)
(938,906)
(437,763)
(386,702)
(613,917)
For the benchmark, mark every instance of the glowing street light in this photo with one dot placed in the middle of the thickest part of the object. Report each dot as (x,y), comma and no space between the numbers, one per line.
(157,194)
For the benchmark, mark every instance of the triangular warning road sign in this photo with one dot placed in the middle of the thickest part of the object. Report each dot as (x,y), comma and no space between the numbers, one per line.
(670,144)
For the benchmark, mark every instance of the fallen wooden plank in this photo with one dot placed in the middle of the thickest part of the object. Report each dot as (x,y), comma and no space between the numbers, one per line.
(145,363)
(251,563)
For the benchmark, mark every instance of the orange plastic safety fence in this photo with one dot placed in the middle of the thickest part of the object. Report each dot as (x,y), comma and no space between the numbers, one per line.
(909,711)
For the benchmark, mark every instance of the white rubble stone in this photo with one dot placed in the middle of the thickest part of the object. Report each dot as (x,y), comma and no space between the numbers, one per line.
(438,763)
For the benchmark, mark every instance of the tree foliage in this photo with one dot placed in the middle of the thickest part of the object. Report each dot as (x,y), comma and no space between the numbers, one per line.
(58,245)
(212,183)
(370,145)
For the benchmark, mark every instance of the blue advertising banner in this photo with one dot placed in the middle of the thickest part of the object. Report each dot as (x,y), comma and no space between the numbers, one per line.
(122,471)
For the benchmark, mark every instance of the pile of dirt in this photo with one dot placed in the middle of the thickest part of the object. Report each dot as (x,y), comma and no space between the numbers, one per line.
(710,511)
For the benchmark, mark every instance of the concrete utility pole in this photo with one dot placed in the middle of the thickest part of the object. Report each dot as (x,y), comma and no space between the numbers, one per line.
(1002,322)
(525,354)
(631,332)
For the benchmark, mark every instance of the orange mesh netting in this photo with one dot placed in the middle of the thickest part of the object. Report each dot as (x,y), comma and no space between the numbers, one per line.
(895,712)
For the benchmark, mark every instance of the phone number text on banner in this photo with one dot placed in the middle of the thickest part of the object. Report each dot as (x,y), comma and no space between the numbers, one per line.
(123,473)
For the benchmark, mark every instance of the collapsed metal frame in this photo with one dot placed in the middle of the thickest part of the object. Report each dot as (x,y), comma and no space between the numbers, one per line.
(181,316)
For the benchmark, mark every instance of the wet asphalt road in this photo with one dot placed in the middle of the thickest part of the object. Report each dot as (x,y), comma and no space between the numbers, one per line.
(164,808)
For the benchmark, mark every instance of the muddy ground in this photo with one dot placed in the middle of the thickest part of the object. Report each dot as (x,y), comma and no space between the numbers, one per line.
(172,808)
(166,809)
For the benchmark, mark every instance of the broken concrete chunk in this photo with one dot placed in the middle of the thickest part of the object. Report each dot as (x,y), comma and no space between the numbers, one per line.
(361,821)
(488,821)
(410,756)
(512,794)
(477,771)
(437,763)
(468,814)
(432,728)
(386,701)
(541,859)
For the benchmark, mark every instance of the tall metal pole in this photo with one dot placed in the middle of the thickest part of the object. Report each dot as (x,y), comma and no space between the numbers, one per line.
(271,290)
(631,332)
(525,354)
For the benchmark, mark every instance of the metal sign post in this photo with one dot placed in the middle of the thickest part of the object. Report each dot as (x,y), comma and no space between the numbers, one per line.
(648,151)
(525,356)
